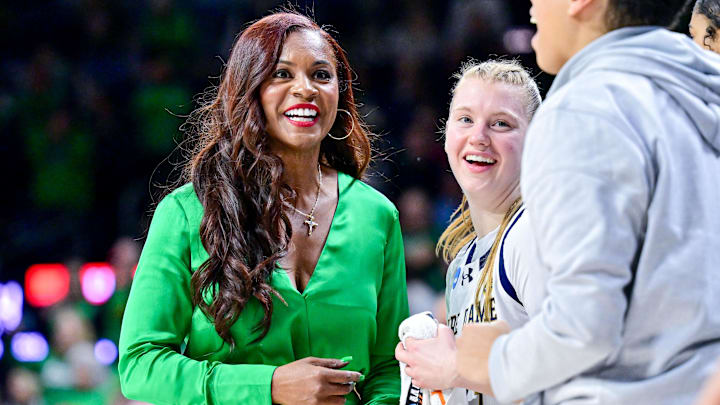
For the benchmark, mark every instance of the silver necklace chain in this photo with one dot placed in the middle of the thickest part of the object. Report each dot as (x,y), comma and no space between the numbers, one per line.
(310,221)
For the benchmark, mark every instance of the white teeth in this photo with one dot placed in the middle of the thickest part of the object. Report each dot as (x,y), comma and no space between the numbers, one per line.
(533,20)
(301,112)
(479,159)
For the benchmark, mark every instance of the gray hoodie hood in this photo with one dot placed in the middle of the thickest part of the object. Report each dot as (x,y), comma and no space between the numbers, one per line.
(674,63)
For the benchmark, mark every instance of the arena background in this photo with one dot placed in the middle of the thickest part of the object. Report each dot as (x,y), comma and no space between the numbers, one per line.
(92,94)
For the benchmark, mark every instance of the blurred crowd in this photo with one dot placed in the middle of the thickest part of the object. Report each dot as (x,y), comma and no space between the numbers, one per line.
(92,95)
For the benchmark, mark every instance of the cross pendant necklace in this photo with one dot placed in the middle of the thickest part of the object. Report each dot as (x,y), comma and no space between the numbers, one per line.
(311,224)
(310,221)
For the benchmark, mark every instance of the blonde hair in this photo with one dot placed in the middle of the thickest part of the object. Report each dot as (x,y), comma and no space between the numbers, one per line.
(502,71)
(460,231)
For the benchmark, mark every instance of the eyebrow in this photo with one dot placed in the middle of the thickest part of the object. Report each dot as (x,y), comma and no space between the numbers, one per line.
(317,62)
(498,112)
(462,108)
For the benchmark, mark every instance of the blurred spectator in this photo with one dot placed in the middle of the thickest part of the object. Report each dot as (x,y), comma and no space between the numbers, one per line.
(476,28)
(156,105)
(447,199)
(72,374)
(58,148)
(415,209)
(123,258)
(75,299)
(23,388)
(424,275)
(58,152)
(168,27)
(423,156)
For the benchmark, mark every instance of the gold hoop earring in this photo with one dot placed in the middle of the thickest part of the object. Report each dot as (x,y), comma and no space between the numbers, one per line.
(351,129)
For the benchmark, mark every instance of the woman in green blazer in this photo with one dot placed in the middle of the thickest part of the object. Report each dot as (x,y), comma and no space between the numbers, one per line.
(274,261)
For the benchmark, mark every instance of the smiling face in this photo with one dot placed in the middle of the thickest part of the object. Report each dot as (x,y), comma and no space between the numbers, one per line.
(704,33)
(484,139)
(300,98)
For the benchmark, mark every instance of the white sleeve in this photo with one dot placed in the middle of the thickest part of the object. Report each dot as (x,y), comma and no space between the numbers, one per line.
(586,182)
(526,274)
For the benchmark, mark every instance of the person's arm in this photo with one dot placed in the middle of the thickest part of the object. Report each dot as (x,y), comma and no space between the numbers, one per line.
(587,184)
(383,382)
(157,320)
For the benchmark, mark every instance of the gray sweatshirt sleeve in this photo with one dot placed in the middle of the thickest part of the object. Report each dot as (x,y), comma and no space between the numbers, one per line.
(586,185)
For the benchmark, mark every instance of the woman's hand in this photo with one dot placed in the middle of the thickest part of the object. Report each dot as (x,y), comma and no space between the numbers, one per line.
(430,362)
(312,381)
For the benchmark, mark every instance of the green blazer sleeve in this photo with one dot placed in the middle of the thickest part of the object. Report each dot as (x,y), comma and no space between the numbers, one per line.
(383,383)
(157,320)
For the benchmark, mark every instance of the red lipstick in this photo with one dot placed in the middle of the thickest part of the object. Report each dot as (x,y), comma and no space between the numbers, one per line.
(302,115)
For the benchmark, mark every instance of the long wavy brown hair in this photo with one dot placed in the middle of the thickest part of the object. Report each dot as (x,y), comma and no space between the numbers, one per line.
(239,180)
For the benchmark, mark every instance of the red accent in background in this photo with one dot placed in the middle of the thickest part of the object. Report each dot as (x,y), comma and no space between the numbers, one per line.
(46,284)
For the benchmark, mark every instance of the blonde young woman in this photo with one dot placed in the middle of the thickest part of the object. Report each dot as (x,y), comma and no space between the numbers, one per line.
(487,239)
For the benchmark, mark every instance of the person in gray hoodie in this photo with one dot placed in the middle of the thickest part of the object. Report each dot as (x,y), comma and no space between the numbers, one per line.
(621,176)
